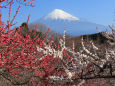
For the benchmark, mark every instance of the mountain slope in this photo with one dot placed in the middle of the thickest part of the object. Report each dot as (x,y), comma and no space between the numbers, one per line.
(59,20)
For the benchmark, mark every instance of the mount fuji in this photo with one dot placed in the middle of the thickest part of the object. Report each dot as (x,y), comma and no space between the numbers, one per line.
(59,20)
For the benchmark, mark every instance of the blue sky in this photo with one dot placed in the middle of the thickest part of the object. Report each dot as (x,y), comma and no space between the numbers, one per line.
(97,11)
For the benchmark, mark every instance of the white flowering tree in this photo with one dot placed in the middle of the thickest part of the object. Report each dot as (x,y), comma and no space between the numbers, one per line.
(91,62)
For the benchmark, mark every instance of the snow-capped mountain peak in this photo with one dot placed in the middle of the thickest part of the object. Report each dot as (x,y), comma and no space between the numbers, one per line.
(60,14)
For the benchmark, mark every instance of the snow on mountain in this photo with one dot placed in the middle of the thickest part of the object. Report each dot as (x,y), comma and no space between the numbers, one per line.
(59,14)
